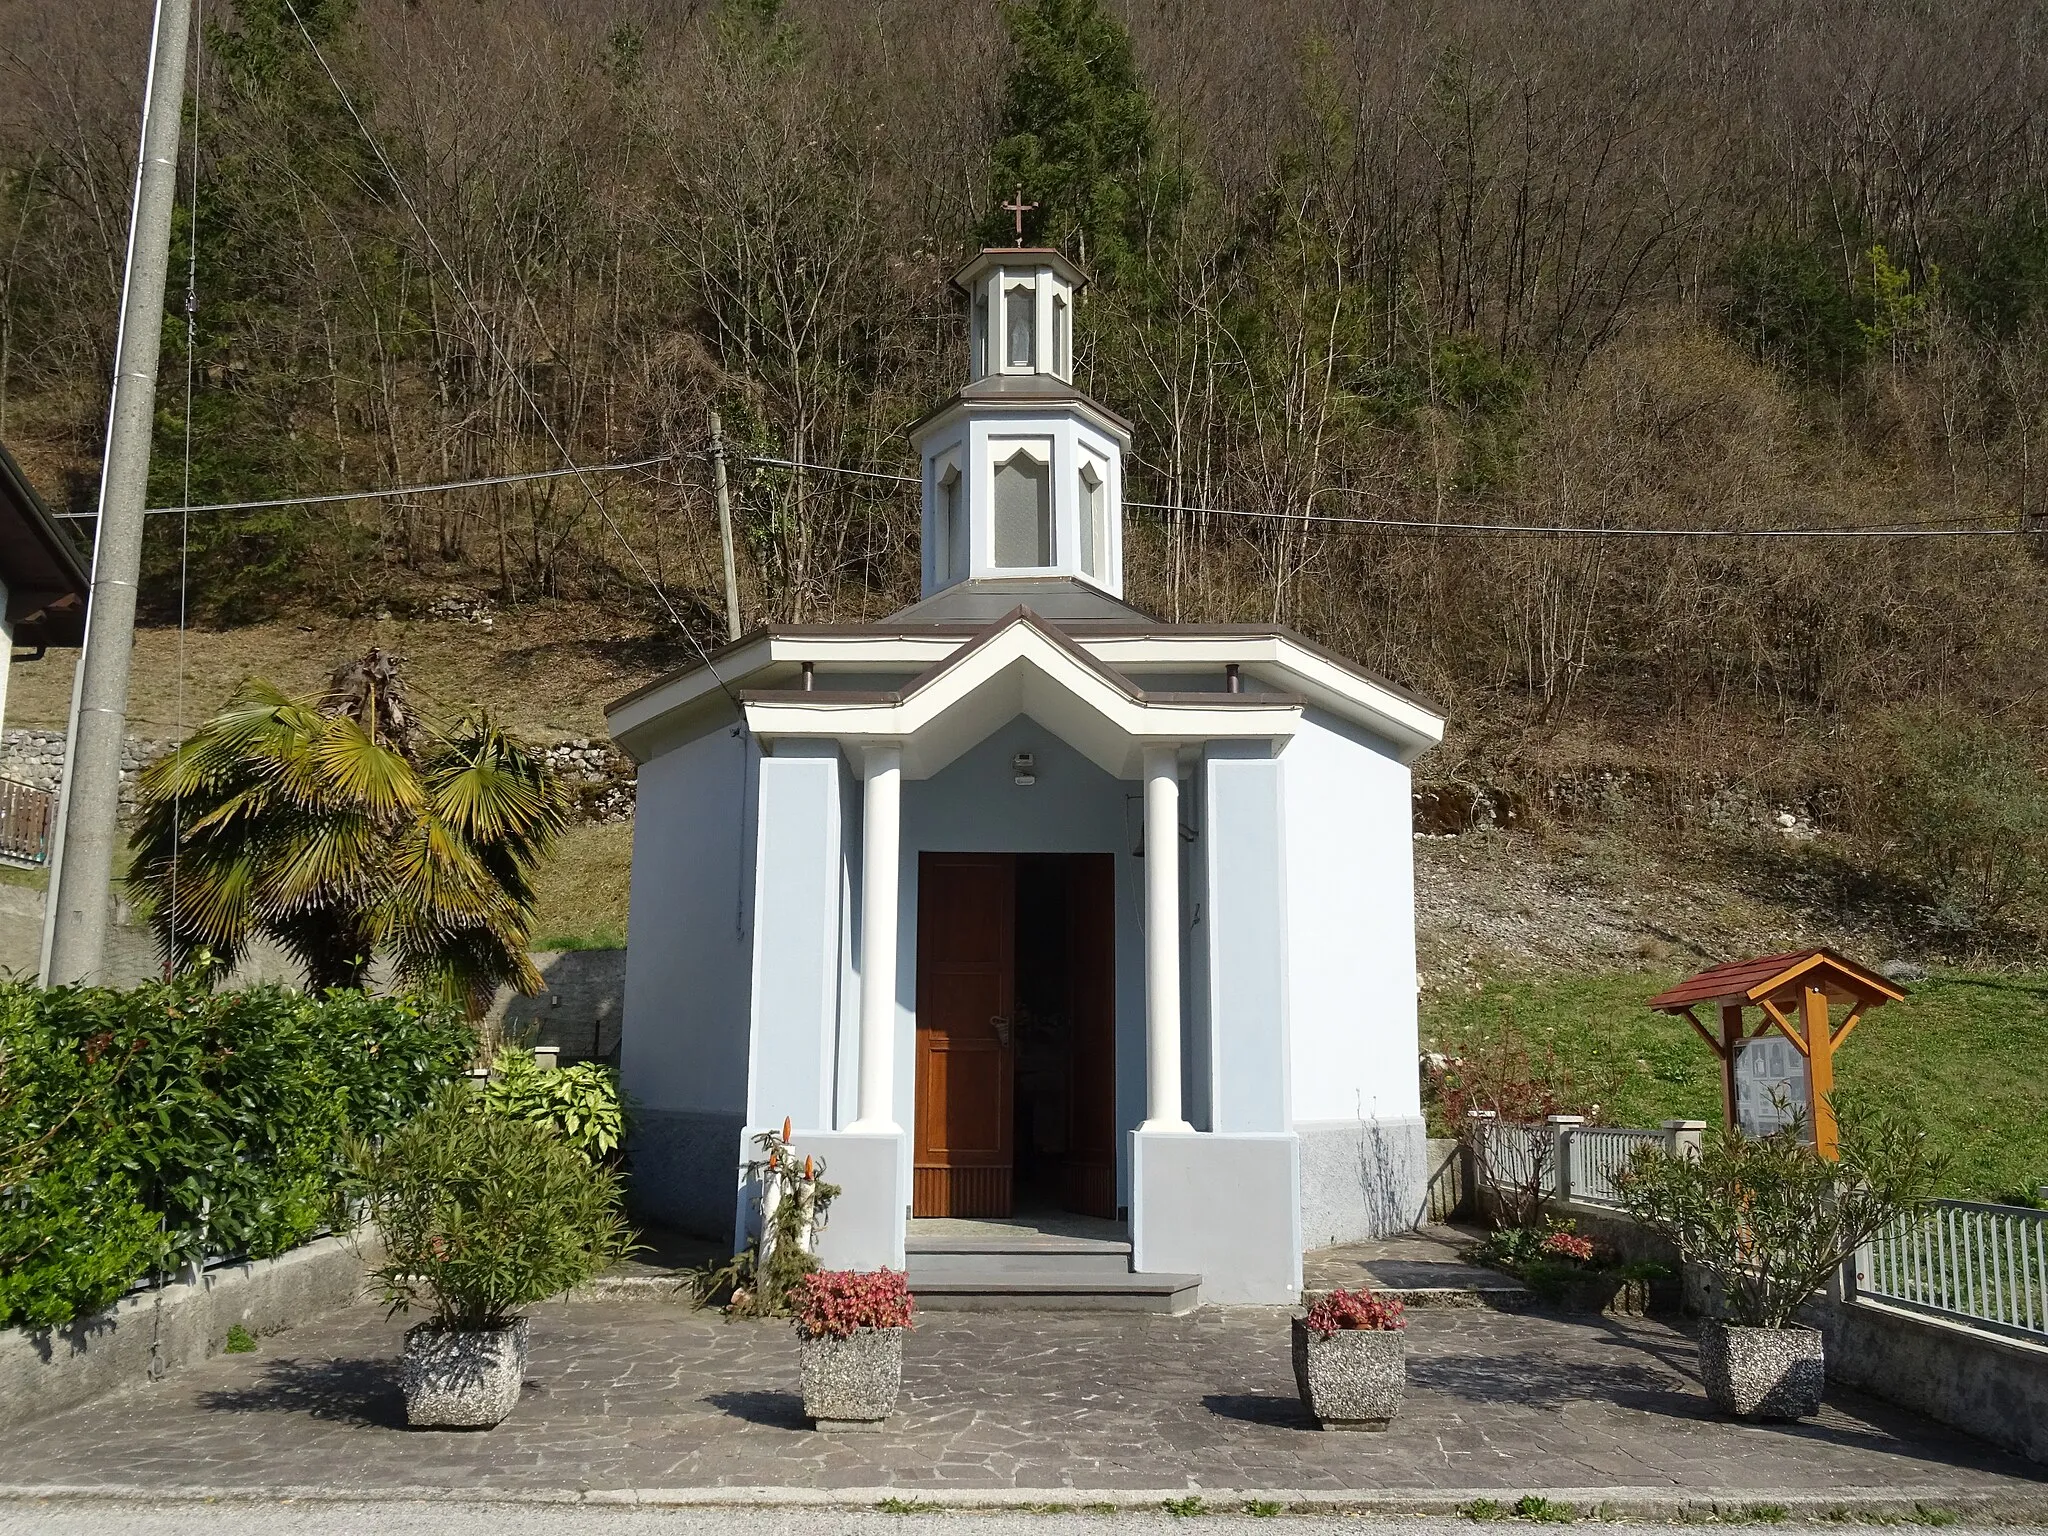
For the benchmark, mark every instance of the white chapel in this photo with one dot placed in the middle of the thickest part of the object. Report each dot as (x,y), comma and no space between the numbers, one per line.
(1079,946)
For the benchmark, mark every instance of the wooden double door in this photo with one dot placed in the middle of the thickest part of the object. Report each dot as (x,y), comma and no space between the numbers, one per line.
(977,1017)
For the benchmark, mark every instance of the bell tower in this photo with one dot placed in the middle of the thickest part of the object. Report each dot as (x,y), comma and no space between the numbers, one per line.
(1023,473)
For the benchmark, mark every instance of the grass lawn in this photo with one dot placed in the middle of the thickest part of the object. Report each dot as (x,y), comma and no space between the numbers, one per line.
(1967,1053)
(582,889)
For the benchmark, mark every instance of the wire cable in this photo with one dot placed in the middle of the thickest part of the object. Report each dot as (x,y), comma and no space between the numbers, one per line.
(517,374)
(1417,525)
(1585,530)
(1395,524)
(386,492)
(185,480)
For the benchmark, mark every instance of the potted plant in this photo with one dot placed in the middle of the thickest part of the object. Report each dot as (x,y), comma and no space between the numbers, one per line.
(849,1327)
(1768,1221)
(481,1215)
(1565,1270)
(1351,1359)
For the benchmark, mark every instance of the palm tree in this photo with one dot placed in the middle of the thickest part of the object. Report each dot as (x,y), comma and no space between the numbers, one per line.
(344,827)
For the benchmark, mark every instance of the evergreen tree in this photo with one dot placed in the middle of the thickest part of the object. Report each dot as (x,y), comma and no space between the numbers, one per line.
(1076,135)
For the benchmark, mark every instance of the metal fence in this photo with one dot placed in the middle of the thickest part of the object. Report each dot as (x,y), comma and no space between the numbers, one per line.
(1596,1153)
(1983,1264)
(1512,1156)
(25,817)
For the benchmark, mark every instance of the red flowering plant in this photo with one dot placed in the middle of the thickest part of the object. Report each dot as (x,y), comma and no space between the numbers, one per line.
(838,1303)
(1567,1246)
(1354,1311)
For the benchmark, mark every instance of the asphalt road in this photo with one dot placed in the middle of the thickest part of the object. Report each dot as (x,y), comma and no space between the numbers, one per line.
(96,1517)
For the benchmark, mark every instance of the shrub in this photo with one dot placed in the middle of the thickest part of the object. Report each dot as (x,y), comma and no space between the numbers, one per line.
(838,1303)
(1769,1219)
(1567,1246)
(1506,1076)
(1355,1311)
(141,1130)
(761,1280)
(580,1103)
(1957,804)
(482,1215)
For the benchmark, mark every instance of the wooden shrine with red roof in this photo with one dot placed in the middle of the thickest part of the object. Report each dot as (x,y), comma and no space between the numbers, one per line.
(1795,994)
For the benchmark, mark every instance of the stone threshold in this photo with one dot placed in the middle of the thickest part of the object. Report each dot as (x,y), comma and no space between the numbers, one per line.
(1734,1506)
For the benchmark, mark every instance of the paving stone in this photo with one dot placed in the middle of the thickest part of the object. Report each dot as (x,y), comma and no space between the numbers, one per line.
(647,1394)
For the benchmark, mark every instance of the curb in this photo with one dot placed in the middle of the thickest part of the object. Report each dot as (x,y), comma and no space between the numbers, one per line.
(1723,1505)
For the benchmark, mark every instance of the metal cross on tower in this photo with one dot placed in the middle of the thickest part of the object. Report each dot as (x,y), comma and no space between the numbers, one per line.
(1019,207)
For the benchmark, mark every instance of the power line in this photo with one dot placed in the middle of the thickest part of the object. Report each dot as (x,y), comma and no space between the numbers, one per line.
(1392,524)
(830,469)
(518,376)
(1585,530)
(1417,525)
(386,492)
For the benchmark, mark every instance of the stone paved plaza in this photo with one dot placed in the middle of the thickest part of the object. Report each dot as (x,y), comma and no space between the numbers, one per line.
(637,1394)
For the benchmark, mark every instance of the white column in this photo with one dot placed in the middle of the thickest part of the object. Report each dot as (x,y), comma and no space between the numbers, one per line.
(881,805)
(1162,942)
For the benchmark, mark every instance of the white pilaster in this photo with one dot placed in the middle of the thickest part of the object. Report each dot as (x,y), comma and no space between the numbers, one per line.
(881,818)
(1162,942)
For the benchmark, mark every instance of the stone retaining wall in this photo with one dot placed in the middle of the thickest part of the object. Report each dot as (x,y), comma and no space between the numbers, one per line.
(140,1338)
(36,758)
(599,778)
(1982,1383)
(1990,1386)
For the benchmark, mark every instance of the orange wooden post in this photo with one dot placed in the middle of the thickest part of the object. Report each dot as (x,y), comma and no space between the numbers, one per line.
(1820,1069)
(1731,1037)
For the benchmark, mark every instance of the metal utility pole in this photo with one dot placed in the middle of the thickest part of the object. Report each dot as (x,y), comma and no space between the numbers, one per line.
(732,581)
(88,814)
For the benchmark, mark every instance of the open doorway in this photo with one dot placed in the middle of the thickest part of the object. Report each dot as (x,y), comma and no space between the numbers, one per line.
(1016,1052)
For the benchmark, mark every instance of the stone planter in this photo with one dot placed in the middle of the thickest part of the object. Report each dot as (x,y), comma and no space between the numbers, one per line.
(1593,1291)
(1351,1379)
(852,1383)
(1762,1373)
(462,1378)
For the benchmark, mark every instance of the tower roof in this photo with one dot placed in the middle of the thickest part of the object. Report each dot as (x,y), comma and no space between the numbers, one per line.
(1023,390)
(1019,256)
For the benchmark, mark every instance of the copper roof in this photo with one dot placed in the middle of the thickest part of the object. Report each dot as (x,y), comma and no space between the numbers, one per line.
(1749,980)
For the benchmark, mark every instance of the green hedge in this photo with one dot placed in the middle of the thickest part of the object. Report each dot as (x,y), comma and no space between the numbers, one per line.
(142,1129)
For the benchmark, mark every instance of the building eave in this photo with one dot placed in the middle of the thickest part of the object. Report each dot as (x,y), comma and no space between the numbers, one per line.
(1284,663)
(987,405)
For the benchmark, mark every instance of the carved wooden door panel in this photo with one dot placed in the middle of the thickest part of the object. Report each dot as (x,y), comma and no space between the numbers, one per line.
(963,1159)
(1091,1097)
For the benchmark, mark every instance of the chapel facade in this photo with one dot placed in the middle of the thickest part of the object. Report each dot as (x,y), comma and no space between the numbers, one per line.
(1025,908)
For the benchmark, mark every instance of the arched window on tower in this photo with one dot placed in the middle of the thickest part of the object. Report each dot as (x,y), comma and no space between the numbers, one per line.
(1094,520)
(1060,365)
(1020,326)
(952,564)
(981,335)
(1023,510)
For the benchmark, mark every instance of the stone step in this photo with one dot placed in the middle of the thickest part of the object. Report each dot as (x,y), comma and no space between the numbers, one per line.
(1005,1289)
(967,1261)
(1506,1296)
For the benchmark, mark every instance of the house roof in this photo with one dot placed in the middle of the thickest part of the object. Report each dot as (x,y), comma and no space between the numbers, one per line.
(1059,598)
(1023,391)
(1018,256)
(1020,664)
(1276,664)
(1751,981)
(44,572)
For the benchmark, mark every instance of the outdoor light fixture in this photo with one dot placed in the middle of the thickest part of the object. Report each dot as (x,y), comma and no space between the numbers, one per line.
(1023,766)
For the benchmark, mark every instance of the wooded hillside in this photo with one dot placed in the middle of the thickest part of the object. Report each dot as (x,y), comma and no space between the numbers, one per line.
(1737,264)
